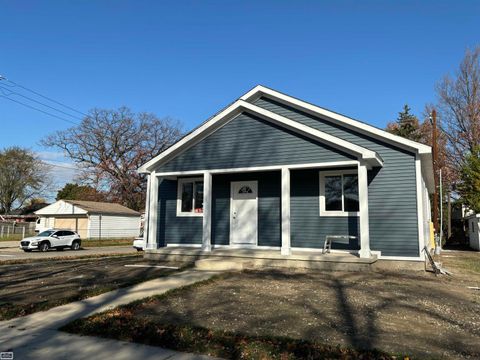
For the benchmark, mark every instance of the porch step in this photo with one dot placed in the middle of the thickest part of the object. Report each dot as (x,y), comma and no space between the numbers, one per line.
(241,259)
(219,264)
(239,264)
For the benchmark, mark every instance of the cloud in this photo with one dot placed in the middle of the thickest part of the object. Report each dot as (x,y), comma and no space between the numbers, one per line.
(62,170)
(51,156)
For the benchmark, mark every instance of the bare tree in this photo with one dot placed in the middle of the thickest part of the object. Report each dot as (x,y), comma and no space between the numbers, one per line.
(459,108)
(22,177)
(110,145)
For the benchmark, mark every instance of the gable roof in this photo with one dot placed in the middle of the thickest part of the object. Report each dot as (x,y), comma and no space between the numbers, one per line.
(103,207)
(260,90)
(245,104)
(239,106)
(94,207)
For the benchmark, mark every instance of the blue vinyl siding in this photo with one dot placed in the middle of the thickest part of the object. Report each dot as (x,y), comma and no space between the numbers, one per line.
(249,141)
(269,207)
(173,229)
(391,191)
(308,228)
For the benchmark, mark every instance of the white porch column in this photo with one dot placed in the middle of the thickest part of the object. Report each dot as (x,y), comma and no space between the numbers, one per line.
(363,207)
(207,212)
(147,211)
(286,249)
(152,201)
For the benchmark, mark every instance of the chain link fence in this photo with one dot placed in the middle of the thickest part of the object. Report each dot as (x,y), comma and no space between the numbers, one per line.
(16,231)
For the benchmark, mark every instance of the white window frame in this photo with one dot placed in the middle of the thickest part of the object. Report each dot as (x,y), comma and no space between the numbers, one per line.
(180,182)
(324,212)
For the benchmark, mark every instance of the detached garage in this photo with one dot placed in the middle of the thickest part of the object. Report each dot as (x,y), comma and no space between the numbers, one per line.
(90,219)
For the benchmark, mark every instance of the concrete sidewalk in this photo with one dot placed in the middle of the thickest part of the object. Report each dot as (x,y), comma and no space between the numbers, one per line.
(36,336)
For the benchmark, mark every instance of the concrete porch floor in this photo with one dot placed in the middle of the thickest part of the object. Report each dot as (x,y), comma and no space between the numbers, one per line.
(240,259)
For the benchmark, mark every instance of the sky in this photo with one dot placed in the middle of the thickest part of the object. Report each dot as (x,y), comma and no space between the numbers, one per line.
(189,59)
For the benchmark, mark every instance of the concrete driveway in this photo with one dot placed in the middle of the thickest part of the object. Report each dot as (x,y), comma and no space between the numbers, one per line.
(9,250)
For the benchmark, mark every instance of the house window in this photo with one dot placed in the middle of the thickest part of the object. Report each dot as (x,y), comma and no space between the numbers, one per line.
(339,193)
(190,197)
(245,190)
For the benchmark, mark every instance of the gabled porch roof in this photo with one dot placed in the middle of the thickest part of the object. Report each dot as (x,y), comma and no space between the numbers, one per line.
(371,158)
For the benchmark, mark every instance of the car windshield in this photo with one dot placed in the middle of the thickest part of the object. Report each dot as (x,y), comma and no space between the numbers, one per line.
(46,233)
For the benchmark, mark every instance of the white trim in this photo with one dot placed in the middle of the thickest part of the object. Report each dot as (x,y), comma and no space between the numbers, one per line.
(238,107)
(232,185)
(316,134)
(153,212)
(425,151)
(147,211)
(363,205)
(230,111)
(401,258)
(207,212)
(252,247)
(395,258)
(260,90)
(345,251)
(285,200)
(185,245)
(322,175)
(180,183)
(420,205)
(263,168)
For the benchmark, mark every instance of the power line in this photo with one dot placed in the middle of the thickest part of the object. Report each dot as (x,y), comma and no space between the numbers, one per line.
(37,109)
(43,96)
(36,101)
(63,167)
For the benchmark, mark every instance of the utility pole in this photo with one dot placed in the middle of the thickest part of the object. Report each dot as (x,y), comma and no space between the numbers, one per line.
(435,171)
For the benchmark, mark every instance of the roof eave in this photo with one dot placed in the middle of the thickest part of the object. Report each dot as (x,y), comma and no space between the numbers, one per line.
(260,90)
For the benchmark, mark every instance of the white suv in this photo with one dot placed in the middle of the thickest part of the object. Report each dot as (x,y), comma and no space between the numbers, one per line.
(54,238)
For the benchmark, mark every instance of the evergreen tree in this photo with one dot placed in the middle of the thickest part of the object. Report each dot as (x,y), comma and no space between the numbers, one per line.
(469,186)
(407,125)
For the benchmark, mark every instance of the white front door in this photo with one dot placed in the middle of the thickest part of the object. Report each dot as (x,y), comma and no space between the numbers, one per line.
(244,213)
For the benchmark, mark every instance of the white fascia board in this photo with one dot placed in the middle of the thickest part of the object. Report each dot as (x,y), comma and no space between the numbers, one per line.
(329,164)
(368,155)
(364,128)
(238,107)
(427,171)
(226,114)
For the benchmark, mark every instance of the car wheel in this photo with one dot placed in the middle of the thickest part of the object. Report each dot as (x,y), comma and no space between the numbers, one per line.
(75,245)
(44,246)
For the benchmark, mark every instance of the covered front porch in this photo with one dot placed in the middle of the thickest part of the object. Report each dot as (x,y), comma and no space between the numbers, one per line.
(272,208)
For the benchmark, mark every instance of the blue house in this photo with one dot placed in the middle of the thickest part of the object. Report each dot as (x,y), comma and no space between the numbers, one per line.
(274,172)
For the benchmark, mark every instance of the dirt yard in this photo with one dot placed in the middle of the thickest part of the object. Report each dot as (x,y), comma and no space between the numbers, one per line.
(40,285)
(407,312)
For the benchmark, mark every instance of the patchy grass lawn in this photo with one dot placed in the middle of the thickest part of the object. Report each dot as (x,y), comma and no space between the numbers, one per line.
(40,285)
(14,237)
(107,242)
(465,263)
(263,315)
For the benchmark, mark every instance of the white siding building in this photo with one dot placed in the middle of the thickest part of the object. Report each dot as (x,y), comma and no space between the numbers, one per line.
(474,231)
(91,220)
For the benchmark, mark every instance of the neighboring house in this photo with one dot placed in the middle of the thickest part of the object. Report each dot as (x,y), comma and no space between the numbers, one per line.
(473,222)
(90,219)
(273,172)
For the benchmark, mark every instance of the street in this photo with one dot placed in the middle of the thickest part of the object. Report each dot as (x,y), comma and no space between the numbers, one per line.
(9,250)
